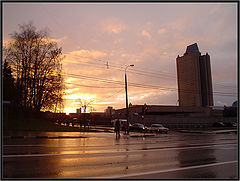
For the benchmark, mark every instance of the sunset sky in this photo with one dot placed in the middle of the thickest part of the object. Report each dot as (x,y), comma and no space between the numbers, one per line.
(100,39)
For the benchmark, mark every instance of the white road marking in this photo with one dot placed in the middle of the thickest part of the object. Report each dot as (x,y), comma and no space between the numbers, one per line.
(62,146)
(229,148)
(169,170)
(115,152)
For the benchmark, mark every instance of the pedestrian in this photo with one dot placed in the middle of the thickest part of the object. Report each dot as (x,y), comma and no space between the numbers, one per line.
(125,127)
(117,128)
(88,124)
(80,123)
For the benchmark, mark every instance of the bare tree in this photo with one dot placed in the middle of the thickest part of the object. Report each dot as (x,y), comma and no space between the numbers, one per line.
(85,104)
(36,64)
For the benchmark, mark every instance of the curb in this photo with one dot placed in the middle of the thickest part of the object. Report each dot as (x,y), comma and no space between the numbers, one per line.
(224,132)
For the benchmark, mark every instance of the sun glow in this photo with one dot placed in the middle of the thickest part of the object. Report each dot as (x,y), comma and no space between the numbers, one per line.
(73,101)
(68,110)
(80,96)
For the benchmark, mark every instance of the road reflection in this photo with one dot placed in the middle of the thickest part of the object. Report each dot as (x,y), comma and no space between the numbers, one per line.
(199,156)
(101,155)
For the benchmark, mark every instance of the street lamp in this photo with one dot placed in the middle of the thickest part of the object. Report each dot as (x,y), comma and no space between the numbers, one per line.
(127,96)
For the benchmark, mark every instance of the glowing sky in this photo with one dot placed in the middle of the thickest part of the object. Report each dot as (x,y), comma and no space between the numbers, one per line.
(99,39)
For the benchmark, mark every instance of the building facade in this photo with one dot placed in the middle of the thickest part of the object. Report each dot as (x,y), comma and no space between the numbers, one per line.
(194,78)
(110,111)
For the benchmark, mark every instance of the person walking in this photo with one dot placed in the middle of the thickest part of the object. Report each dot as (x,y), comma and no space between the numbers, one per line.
(117,128)
(125,127)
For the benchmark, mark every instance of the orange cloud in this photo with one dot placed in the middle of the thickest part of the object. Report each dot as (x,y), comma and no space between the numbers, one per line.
(71,90)
(113,25)
(146,34)
(161,31)
(83,55)
(57,40)
(79,96)
(117,41)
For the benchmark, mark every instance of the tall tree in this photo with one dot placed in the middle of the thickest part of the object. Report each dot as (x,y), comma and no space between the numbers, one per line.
(8,83)
(36,64)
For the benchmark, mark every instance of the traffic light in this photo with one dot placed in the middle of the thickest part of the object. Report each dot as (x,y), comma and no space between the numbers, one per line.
(144,109)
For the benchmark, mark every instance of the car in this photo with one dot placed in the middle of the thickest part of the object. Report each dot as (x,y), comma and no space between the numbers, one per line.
(230,124)
(138,127)
(234,124)
(218,124)
(158,128)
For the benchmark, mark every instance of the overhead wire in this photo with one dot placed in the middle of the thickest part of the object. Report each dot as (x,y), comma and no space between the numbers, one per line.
(143,85)
(107,97)
(90,86)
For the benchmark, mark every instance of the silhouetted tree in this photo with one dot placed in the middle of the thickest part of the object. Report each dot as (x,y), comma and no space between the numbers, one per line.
(84,104)
(8,83)
(36,64)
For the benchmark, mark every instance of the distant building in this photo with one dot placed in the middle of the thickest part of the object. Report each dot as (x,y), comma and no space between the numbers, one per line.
(101,114)
(194,78)
(100,118)
(110,111)
(166,111)
(74,115)
(79,110)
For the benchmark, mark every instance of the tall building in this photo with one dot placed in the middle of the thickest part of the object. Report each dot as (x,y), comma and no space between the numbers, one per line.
(110,111)
(194,78)
(79,111)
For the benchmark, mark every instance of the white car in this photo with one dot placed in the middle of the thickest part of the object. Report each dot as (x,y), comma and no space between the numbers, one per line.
(158,128)
(138,127)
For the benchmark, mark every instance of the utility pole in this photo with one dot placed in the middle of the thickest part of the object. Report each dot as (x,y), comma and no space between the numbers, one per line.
(84,117)
(127,113)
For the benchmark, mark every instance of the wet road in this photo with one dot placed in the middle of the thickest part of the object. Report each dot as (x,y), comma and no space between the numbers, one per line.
(100,155)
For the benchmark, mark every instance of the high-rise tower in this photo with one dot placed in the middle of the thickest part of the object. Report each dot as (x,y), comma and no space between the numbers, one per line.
(194,78)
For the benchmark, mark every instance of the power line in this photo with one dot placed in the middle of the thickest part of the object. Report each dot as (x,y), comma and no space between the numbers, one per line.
(151,71)
(134,71)
(139,72)
(110,95)
(82,85)
(145,85)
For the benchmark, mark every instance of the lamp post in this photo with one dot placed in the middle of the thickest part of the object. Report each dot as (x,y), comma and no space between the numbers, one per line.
(127,96)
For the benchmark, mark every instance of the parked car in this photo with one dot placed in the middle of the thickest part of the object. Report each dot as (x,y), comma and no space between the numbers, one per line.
(138,127)
(229,124)
(234,124)
(218,124)
(158,128)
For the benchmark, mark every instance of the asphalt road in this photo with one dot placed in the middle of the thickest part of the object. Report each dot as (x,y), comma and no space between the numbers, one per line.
(101,155)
